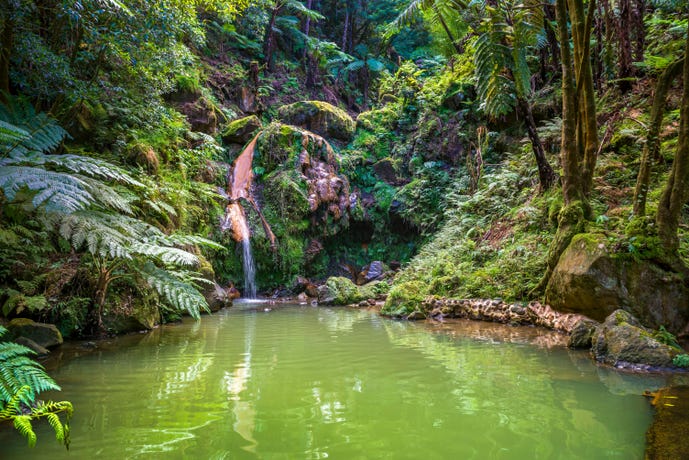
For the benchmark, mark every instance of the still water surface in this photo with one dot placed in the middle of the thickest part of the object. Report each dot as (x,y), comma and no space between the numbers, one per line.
(308,383)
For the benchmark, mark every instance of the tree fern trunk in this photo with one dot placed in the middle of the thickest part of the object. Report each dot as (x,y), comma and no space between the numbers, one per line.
(675,192)
(652,147)
(546,175)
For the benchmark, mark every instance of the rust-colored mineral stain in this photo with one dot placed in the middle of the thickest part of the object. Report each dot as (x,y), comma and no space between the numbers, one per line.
(234,213)
(667,436)
(239,186)
(240,182)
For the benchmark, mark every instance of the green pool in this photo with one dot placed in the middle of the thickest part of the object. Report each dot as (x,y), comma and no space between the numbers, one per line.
(299,382)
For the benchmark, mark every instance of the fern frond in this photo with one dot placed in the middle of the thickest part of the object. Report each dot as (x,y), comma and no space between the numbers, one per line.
(196,240)
(166,254)
(57,191)
(44,134)
(179,293)
(22,423)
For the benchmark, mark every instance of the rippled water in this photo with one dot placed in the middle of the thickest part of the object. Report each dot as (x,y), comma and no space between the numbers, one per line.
(306,383)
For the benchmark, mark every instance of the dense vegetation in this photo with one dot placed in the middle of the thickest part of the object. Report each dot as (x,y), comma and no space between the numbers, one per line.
(481,148)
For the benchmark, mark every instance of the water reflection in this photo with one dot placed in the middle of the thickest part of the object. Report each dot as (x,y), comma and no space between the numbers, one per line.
(304,382)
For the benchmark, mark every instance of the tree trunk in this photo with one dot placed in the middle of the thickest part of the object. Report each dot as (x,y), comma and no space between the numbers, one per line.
(624,30)
(345,31)
(269,40)
(652,147)
(447,30)
(6,44)
(675,194)
(307,27)
(569,154)
(639,29)
(546,175)
(554,48)
(579,143)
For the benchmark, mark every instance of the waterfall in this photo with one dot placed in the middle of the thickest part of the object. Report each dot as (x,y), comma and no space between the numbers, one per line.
(248,264)
(239,186)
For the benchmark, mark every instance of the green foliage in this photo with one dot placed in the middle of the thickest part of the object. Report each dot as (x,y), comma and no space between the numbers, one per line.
(492,243)
(90,215)
(681,360)
(21,380)
(663,336)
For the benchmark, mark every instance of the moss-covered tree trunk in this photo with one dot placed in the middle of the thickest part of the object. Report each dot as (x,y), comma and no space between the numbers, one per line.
(651,149)
(675,193)
(579,145)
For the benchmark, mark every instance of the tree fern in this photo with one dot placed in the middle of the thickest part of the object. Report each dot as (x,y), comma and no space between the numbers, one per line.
(508,32)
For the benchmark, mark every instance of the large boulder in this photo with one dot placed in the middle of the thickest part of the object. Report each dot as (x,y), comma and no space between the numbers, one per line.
(622,341)
(591,280)
(44,335)
(321,118)
(241,131)
(302,177)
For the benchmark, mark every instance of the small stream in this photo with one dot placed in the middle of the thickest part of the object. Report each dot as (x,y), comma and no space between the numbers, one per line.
(300,382)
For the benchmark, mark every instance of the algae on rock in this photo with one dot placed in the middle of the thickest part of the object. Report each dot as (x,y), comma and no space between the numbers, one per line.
(320,117)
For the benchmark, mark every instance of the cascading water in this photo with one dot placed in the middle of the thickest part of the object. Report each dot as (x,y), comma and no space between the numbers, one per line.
(249,267)
(239,186)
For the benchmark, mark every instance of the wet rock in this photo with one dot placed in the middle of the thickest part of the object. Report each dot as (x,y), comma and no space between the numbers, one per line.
(311,290)
(374,271)
(45,335)
(242,130)
(582,334)
(30,344)
(385,171)
(247,100)
(299,284)
(590,280)
(416,315)
(622,341)
(320,117)
(219,297)
(302,297)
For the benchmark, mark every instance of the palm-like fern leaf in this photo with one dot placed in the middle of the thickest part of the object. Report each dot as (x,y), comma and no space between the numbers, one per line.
(177,291)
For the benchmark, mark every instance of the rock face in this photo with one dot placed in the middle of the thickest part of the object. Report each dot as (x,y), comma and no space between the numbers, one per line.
(198,110)
(321,118)
(622,341)
(45,335)
(312,186)
(241,131)
(591,281)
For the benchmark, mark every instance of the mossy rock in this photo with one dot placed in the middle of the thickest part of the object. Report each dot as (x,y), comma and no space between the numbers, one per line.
(404,299)
(45,335)
(341,291)
(241,131)
(321,118)
(622,341)
(592,280)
